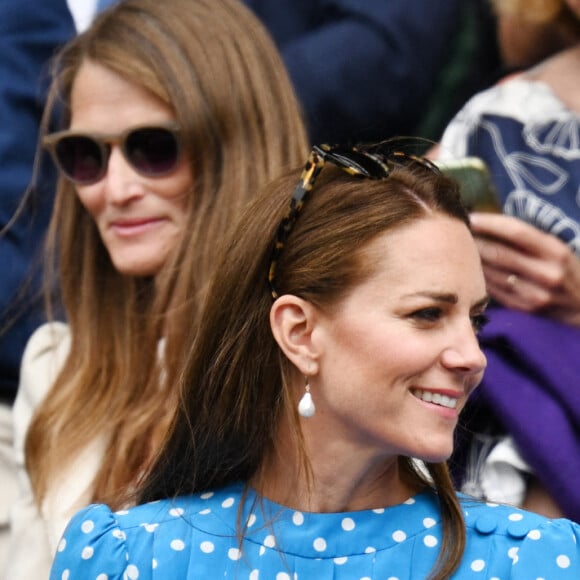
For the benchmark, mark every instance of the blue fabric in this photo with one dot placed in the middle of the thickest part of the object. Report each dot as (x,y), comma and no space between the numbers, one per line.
(535,168)
(195,537)
(362,69)
(30,31)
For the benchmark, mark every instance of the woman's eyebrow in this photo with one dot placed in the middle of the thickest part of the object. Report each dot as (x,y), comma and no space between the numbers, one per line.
(447,297)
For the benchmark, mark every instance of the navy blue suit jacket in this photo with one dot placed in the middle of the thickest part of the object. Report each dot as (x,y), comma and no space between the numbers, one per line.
(362,69)
(30,31)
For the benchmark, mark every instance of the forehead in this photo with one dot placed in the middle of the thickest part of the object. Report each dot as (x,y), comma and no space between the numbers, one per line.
(437,252)
(100,94)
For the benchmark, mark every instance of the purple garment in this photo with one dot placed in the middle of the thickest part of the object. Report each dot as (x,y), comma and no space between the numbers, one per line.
(531,141)
(532,383)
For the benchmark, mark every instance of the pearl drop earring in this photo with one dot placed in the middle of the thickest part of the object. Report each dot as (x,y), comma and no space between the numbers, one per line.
(306,406)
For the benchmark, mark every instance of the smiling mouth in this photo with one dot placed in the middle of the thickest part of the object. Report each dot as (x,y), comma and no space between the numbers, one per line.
(133,228)
(435,398)
(134,223)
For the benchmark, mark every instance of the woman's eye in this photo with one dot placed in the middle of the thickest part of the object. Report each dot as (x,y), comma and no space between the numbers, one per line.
(428,314)
(478,322)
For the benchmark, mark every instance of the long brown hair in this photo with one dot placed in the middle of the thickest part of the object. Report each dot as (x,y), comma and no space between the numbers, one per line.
(216,67)
(534,10)
(235,386)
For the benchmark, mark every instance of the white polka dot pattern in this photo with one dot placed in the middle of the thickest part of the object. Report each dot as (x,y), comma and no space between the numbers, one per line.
(177,545)
(348,524)
(282,544)
(429,522)
(320,544)
(119,534)
(132,572)
(563,561)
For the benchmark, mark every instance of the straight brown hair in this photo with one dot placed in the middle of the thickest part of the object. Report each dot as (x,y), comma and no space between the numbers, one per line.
(216,67)
(234,387)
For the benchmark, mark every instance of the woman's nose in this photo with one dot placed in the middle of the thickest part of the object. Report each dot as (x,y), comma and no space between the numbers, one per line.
(122,183)
(465,353)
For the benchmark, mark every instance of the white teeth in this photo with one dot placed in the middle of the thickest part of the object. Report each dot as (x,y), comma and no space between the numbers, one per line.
(448,402)
(436,398)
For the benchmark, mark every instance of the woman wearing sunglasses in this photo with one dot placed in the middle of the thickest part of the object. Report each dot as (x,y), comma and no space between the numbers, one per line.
(164,118)
(319,400)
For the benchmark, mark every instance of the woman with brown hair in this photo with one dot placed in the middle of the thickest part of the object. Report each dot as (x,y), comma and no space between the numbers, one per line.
(169,116)
(336,348)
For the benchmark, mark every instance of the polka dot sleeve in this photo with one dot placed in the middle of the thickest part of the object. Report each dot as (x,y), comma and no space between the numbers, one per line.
(93,546)
(552,550)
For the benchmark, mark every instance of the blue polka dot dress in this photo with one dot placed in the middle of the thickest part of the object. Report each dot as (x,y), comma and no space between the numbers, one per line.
(195,537)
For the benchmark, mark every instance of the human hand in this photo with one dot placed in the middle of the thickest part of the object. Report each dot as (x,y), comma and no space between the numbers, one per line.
(528,269)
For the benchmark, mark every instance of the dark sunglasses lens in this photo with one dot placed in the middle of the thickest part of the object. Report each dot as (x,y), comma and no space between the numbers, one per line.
(152,150)
(80,158)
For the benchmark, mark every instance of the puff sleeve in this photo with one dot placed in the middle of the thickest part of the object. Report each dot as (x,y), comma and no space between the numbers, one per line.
(94,546)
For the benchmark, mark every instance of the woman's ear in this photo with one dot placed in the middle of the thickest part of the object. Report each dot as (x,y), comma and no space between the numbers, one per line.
(293,320)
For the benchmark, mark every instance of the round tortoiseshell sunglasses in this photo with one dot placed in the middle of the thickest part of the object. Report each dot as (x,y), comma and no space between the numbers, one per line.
(152,150)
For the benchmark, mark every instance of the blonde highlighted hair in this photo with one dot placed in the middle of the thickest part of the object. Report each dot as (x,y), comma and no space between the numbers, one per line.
(540,11)
(216,67)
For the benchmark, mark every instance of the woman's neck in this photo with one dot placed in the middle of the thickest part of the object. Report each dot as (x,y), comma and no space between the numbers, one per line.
(340,481)
(560,74)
